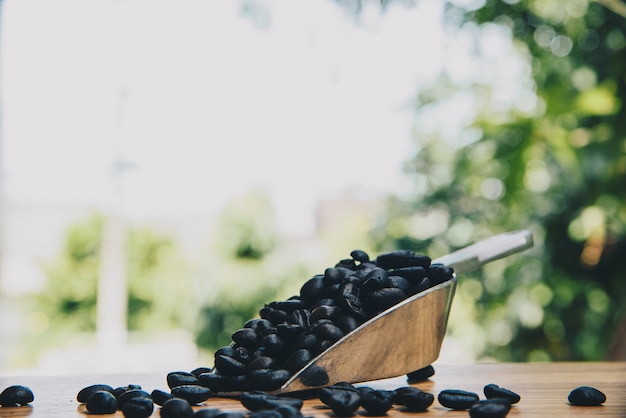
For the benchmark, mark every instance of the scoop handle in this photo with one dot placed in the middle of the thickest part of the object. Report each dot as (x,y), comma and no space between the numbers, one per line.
(489,249)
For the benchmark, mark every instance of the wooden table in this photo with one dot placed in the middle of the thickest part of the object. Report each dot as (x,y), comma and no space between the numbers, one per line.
(543,388)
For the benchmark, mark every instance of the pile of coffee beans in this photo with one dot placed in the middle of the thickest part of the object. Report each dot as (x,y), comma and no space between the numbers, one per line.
(16,395)
(269,349)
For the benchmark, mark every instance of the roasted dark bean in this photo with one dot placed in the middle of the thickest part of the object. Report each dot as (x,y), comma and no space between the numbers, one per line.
(343,401)
(298,360)
(87,391)
(347,323)
(346,263)
(199,370)
(414,274)
(245,337)
(257,400)
(490,408)
(314,376)
(494,391)
(312,289)
(159,397)
(381,299)
(421,374)
(377,402)
(101,402)
(324,312)
(176,408)
(402,258)
(399,282)
(215,382)
(288,411)
(180,378)
(360,256)
(267,379)
(586,396)
(227,351)
(289,305)
(439,273)
(413,399)
(423,284)
(117,392)
(328,332)
(457,399)
(332,275)
(289,332)
(229,366)
(262,362)
(131,394)
(193,394)
(138,408)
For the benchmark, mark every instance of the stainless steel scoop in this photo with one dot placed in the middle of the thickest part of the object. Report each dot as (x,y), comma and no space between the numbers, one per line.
(406,337)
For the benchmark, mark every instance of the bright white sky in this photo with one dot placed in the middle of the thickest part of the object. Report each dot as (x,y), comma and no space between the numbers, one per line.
(207,105)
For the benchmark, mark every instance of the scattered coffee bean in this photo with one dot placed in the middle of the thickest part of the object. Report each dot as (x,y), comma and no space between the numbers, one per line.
(131,394)
(494,391)
(194,394)
(86,392)
(159,397)
(342,400)
(16,395)
(377,402)
(413,398)
(421,374)
(257,400)
(490,408)
(181,378)
(586,396)
(176,408)
(101,402)
(457,399)
(138,407)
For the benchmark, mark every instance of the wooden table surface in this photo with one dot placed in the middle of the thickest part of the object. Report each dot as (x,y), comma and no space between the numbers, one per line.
(543,387)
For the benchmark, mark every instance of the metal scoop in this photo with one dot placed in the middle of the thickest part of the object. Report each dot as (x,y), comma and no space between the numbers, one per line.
(406,337)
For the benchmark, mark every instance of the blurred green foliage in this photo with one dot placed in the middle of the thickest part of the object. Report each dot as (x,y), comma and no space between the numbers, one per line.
(157,277)
(545,151)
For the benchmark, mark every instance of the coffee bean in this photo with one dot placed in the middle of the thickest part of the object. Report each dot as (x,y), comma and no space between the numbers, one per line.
(101,402)
(377,402)
(216,382)
(457,399)
(176,408)
(332,275)
(490,408)
(131,394)
(118,391)
(343,401)
(159,397)
(298,359)
(263,362)
(257,400)
(314,376)
(86,392)
(138,408)
(439,273)
(421,374)
(398,282)
(200,370)
(289,411)
(267,379)
(586,396)
(402,258)
(347,323)
(381,299)
(229,366)
(494,391)
(360,256)
(313,289)
(413,398)
(414,274)
(245,337)
(180,378)
(194,394)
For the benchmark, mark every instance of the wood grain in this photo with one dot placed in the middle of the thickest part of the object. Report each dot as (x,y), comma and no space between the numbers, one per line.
(543,388)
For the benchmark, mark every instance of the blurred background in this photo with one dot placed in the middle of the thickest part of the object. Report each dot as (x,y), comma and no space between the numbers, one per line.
(169,167)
